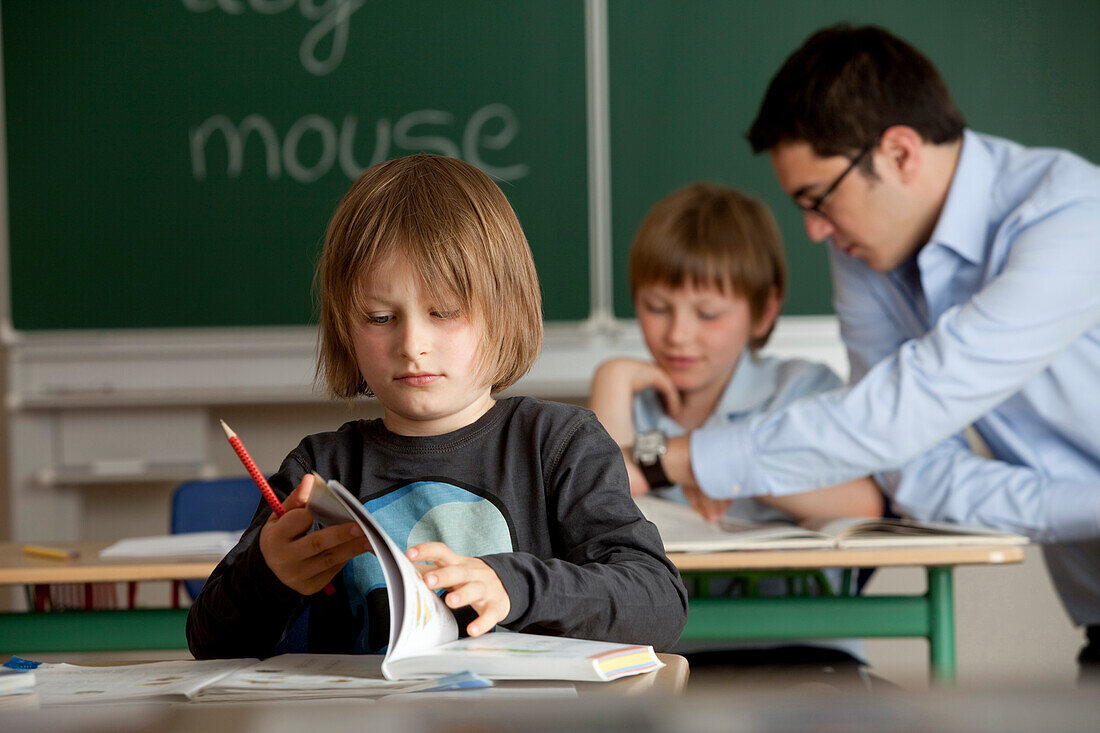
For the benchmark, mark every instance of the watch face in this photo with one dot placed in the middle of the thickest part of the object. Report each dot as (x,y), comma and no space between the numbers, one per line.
(649,446)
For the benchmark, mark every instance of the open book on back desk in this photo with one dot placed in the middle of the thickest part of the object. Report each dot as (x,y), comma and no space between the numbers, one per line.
(683,530)
(424,641)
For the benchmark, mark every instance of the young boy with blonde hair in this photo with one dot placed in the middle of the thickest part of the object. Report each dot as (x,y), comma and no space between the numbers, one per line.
(430,302)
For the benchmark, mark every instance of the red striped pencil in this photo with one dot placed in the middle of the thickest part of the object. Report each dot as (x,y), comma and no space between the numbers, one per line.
(253,471)
(261,482)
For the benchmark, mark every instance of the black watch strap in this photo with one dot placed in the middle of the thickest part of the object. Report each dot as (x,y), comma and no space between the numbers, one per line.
(655,474)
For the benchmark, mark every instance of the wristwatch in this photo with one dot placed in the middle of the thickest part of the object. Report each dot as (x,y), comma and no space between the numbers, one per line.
(649,446)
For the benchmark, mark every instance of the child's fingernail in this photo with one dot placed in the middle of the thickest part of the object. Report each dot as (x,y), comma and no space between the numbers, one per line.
(474,629)
(356,532)
(430,580)
(412,553)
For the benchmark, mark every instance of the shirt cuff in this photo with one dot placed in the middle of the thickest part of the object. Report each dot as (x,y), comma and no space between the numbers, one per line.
(519,601)
(1073,512)
(721,461)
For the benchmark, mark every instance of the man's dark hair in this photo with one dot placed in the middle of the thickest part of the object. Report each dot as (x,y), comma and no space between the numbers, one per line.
(845,85)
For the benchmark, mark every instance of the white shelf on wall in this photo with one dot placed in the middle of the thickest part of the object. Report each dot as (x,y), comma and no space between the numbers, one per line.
(97,408)
(123,472)
(276,365)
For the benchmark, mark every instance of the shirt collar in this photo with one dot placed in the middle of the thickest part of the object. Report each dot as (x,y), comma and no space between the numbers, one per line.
(964,220)
(750,386)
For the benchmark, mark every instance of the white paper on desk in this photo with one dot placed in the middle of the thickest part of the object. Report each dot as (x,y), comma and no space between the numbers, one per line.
(307,676)
(185,544)
(59,684)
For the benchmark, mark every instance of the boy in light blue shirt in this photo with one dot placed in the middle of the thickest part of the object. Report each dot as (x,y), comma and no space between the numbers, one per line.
(707,274)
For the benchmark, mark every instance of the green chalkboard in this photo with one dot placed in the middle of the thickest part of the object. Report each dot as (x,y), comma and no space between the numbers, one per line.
(686,79)
(173,163)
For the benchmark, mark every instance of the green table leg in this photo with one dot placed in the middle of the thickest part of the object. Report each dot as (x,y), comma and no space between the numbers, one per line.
(817,617)
(941,625)
(930,616)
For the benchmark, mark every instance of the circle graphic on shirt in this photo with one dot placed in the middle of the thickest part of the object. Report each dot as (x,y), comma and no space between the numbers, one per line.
(423,511)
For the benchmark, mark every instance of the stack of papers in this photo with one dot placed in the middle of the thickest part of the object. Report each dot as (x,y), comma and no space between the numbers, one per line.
(285,677)
(312,676)
(187,544)
(60,684)
(16,681)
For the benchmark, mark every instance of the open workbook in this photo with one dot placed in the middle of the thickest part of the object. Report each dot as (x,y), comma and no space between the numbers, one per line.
(284,677)
(424,641)
(683,530)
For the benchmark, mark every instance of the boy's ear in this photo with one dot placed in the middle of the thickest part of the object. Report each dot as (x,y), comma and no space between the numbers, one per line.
(762,325)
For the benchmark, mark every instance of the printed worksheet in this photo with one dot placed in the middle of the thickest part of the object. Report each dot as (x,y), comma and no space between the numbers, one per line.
(59,684)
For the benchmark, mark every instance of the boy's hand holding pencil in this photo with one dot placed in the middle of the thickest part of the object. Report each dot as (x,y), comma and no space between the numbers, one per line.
(302,560)
(297,556)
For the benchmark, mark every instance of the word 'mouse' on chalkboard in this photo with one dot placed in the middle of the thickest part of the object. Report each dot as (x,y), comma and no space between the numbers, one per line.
(174,163)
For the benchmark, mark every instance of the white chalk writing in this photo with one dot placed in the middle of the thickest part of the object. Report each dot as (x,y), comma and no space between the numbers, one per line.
(492,127)
(333,18)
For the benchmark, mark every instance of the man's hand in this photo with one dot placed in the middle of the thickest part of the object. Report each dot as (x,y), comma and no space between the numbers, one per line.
(306,561)
(710,509)
(471,582)
(677,463)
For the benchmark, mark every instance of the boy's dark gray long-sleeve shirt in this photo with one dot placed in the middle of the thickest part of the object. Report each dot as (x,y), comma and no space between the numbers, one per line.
(536,489)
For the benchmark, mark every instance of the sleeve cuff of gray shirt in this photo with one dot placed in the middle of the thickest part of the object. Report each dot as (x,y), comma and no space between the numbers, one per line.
(514,585)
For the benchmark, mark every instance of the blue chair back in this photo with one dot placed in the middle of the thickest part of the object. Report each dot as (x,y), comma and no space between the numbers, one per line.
(218,505)
(225,505)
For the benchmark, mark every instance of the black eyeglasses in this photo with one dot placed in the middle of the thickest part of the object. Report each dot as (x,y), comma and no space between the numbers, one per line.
(813,205)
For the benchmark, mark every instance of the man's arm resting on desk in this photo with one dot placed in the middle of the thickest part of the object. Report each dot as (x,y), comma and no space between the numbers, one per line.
(858,498)
(951,484)
(677,465)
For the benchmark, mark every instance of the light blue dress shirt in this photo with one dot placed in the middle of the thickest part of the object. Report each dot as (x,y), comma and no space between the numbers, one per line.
(758,385)
(995,323)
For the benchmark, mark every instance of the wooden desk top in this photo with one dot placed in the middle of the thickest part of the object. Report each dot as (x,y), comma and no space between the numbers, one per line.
(861,558)
(16,568)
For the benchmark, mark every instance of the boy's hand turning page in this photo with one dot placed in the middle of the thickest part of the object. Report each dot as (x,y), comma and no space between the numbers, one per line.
(419,620)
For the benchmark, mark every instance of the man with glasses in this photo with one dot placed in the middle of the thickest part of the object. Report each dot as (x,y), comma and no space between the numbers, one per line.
(966,276)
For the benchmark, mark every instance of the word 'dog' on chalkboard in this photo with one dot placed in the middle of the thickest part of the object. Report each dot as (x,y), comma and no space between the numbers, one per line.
(160,153)
(322,46)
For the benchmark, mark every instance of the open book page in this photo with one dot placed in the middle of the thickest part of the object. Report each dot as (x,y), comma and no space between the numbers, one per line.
(510,655)
(864,532)
(684,530)
(418,617)
(59,684)
(299,676)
